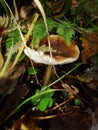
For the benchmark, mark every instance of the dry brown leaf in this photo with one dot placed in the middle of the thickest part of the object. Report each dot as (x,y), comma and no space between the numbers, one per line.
(57,6)
(90,45)
(84,78)
(92,37)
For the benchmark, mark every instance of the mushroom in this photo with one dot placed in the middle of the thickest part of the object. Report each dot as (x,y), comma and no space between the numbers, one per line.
(61,52)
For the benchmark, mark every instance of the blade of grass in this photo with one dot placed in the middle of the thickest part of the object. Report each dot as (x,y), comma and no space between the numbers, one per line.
(65,74)
(3,71)
(4,7)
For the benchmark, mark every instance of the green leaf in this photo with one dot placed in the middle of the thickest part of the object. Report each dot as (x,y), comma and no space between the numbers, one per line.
(39,30)
(22,57)
(77,102)
(45,103)
(66,31)
(68,36)
(40,97)
(47,89)
(16,38)
(31,71)
(35,99)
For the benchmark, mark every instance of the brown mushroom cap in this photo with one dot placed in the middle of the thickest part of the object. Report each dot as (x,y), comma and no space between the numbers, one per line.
(60,50)
(61,53)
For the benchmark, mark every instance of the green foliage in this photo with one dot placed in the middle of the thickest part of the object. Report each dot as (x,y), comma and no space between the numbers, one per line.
(16,38)
(45,91)
(63,28)
(45,103)
(39,30)
(31,71)
(43,98)
(77,102)
(66,30)
(22,57)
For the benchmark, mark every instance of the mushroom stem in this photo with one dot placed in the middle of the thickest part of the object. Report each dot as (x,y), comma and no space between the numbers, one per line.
(47,75)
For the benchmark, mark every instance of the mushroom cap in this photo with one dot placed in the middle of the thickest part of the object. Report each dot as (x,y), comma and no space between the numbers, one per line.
(61,52)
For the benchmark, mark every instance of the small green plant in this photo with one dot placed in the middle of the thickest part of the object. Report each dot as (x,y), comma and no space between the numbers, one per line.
(3,71)
(43,98)
(62,28)
(66,30)
(16,38)
(77,102)
(31,70)
(39,30)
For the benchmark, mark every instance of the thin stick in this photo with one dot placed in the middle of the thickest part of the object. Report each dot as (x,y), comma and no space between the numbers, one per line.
(65,74)
(2,73)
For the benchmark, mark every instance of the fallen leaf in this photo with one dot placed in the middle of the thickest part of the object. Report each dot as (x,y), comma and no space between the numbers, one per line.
(11,78)
(92,37)
(84,78)
(90,45)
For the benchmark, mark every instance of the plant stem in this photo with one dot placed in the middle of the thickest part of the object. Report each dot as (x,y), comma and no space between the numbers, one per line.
(27,100)
(65,74)
(5,7)
(2,73)
(47,75)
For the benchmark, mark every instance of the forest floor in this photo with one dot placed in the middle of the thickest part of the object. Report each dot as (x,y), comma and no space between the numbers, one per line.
(69,101)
